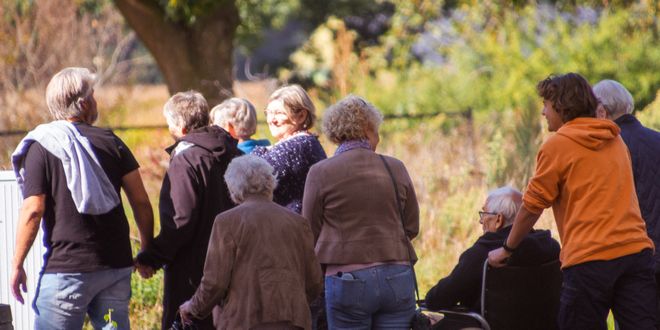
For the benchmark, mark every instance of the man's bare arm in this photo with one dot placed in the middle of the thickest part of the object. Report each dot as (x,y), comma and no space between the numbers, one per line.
(28,226)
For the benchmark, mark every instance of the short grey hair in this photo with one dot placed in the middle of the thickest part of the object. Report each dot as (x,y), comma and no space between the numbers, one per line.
(249,175)
(187,110)
(504,200)
(614,97)
(238,112)
(349,118)
(66,91)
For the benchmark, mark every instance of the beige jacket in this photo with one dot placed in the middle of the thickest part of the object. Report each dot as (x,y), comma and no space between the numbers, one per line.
(260,268)
(349,201)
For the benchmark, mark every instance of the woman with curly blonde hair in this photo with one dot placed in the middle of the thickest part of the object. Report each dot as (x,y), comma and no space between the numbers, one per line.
(363,212)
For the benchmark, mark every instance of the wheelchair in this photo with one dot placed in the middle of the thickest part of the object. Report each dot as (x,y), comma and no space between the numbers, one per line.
(512,298)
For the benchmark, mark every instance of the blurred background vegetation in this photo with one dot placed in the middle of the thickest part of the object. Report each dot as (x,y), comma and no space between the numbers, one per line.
(455,79)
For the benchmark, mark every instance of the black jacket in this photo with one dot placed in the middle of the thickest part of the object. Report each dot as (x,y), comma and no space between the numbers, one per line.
(644,146)
(463,285)
(192,194)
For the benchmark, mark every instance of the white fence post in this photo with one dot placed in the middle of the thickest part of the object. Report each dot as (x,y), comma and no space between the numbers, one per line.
(10,202)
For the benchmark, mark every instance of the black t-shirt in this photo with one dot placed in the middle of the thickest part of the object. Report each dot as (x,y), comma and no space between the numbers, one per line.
(79,242)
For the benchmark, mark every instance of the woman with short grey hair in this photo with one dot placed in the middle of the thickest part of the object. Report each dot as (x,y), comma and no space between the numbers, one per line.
(260,270)
(238,117)
(364,214)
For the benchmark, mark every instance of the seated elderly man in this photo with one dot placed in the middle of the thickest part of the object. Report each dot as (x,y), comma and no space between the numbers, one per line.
(463,285)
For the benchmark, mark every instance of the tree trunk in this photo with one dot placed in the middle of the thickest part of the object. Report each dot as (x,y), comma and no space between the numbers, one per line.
(196,56)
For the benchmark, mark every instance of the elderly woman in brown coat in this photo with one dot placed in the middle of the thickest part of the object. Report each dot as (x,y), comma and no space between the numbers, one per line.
(260,270)
(362,225)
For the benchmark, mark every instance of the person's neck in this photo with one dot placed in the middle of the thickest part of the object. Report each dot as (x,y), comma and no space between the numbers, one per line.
(294,133)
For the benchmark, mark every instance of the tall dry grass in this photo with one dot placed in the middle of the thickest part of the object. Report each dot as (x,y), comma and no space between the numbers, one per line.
(453,164)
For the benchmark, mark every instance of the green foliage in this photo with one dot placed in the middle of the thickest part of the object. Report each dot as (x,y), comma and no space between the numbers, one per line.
(188,11)
(491,58)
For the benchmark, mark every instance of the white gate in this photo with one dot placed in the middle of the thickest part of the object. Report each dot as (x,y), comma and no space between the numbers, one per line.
(10,202)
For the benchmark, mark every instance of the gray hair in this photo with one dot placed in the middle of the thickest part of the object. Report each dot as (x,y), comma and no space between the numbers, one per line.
(187,110)
(614,97)
(67,90)
(296,102)
(249,175)
(349,118)
(238,112)
(505,200)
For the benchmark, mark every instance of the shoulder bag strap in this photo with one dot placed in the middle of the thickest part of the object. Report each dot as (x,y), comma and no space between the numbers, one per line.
(403,226)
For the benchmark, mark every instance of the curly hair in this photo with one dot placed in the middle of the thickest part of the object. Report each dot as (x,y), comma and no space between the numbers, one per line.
(249,175)
(349,118)
(570,94)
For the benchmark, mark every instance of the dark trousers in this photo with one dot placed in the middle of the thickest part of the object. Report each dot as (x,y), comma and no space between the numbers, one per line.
(626,285)
(657,282)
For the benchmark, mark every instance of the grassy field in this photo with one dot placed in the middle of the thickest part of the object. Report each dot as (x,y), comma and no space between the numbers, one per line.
(449,161)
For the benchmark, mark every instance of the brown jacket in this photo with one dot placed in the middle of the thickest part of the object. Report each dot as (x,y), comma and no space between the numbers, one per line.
(349,201)
(260,268)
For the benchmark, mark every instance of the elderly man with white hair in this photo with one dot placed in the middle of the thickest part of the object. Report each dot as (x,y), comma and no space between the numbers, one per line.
(71,174)
(617,104)
(463,285)
(261,271)
(192,194)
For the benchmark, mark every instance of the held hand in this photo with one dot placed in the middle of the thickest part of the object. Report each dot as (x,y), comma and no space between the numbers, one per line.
(18,279)
(145,271)
(498,257)
(184,311)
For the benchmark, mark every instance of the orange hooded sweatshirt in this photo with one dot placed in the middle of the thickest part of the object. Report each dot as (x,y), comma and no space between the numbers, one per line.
(584,172)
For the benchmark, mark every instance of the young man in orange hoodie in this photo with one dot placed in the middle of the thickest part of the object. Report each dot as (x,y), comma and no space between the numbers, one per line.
(584,173)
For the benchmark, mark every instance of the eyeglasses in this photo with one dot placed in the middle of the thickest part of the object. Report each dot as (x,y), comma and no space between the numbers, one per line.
(275,113)
(482,213)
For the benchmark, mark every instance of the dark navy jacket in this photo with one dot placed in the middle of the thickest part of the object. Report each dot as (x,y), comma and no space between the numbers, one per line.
(644,146)
(463,285)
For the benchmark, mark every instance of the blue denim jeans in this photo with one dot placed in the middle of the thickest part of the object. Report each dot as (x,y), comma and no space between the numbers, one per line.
(63,299)
(380,297)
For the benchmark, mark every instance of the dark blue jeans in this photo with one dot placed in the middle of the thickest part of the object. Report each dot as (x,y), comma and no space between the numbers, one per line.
(626,285)
(380,297)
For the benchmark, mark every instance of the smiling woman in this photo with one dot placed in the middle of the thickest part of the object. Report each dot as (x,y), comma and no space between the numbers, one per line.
(290,114)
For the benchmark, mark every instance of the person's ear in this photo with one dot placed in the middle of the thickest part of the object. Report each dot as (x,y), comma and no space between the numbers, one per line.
(499,221)
(184,131)
(230,129)
(83,104)
(300,119)
(601,112)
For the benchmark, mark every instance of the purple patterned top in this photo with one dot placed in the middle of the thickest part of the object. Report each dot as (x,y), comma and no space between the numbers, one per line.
(292,159)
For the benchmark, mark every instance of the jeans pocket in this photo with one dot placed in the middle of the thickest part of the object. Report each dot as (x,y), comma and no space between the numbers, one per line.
(403,287)
(70,294)
(344,293)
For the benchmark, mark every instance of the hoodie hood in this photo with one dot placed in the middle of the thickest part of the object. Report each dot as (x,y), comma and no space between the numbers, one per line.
(212,138)
(591,133)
